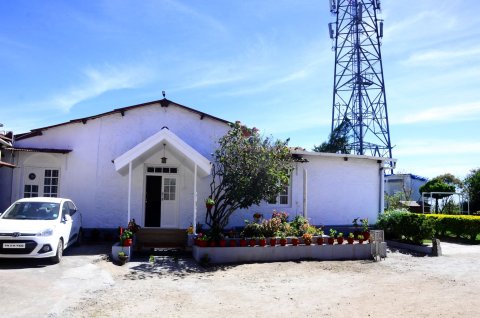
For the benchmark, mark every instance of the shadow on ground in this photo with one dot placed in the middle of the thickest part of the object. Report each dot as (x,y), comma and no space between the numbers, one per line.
(171,262)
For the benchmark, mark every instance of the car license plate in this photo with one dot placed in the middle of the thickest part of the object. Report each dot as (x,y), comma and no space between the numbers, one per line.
(13,245)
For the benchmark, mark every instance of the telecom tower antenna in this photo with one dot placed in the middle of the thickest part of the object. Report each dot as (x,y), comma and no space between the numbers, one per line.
(359,88)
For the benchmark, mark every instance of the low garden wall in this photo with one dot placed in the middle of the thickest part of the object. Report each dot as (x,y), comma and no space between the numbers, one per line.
(220,255)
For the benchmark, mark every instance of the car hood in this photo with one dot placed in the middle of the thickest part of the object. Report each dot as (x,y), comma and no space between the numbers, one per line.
(25,226)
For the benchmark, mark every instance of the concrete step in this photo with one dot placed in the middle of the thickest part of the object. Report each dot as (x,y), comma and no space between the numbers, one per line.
(147,238)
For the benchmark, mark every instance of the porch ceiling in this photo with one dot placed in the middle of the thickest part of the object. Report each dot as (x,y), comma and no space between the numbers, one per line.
(176,146)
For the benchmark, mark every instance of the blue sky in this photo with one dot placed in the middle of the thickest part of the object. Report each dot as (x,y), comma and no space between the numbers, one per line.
(267,63)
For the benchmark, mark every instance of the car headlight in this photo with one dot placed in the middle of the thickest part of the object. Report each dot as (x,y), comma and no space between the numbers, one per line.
(47,232)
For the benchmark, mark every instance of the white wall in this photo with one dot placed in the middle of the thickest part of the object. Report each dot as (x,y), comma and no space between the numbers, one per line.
(337,192)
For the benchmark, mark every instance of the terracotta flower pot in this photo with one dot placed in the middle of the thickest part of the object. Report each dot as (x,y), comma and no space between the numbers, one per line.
(202,243)
(283,242)
(243,242)
(350,240)
(209,206)
(127,242)
(232,243)
(294,241)
(340,240)
(366,235)
(273,241)
(222,243)
(320,240)
(262,242)
(360,241)
(252,242)
(331,240)
(212,244)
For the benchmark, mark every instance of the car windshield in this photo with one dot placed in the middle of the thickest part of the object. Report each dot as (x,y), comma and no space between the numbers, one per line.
(32,211)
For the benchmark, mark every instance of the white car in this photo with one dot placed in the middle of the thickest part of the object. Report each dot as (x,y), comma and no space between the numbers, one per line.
(39,227)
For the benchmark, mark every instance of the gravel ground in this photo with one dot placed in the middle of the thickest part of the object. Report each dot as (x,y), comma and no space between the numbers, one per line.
(402,285)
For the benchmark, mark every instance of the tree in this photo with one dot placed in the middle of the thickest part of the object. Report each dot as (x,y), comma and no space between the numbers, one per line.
(246,170)
(437,184)
(337,141)
(472,187)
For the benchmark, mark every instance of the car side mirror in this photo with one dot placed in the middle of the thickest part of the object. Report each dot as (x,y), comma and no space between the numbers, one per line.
(67,218)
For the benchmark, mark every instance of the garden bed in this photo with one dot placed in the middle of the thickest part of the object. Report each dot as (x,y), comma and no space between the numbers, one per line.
(220,255)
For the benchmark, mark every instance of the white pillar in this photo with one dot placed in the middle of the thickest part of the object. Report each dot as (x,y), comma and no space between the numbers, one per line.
(305,194)
(195,200)
(382,188)
(129,189)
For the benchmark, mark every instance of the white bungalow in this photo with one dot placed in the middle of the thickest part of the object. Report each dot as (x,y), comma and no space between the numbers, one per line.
(151,162)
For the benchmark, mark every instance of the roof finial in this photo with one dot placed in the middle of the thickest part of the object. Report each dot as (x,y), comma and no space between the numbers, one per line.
(163,93)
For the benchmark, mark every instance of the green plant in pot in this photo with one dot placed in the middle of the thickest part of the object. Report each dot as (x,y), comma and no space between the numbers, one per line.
(350,238)
(340,238)
(332,234)
(360,239)
(122,257)
(365,229)
(126,238)
(307,238)
(209,203)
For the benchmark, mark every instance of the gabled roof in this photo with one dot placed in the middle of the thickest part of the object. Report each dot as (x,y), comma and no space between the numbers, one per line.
(175,145)
(163,103)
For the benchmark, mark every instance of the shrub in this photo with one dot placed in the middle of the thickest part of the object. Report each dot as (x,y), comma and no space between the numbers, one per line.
(402,225)
(270,227)
(458,225)
(251,230)
(299,225)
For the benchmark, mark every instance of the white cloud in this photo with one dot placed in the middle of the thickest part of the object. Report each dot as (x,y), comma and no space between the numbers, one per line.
(99,81)
(436,147)
(443,56)
(461,112)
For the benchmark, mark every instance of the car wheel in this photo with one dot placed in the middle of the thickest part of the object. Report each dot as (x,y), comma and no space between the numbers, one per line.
(79,240)
(58,257)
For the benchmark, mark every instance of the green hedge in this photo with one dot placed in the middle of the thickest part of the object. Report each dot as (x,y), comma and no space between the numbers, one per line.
(404,225)
(458,225)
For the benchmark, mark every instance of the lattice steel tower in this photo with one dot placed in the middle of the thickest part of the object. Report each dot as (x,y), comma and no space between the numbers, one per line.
(359,88)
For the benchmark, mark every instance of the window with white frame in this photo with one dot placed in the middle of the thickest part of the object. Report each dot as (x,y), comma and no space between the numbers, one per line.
(283,198)
(50,183)
(30,191)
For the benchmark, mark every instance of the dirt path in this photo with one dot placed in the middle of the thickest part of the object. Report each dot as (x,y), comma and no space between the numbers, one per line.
(400,286)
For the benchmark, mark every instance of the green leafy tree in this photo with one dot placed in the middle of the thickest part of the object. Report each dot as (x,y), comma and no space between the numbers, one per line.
(472,188)
(247,169)
(337,141)
(437,185)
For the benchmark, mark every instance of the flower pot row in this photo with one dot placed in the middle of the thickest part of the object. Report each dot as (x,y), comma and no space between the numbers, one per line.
(272,242)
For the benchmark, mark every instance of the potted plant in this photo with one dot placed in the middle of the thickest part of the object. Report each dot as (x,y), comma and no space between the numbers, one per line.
(257,217)
(307,238)
(262,241)
(331,239)
(295,241)
(209,203)
(243,242)
(252,242)
(320,237)
(202,240)
(232,243)
(222,242)
(350,238)
(340,238)
(126,237)
(365,229)
(273,241)
(122,257)
(283,239)
(360,239)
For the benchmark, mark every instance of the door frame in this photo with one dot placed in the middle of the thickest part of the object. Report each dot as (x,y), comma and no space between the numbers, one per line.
(162,174)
